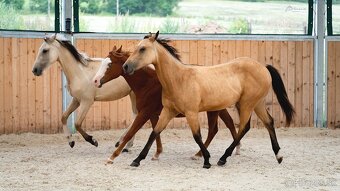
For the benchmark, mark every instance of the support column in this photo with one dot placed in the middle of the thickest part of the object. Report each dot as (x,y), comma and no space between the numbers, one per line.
(320,67)
(66,27)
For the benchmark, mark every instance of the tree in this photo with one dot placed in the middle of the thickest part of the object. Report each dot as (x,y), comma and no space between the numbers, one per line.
(16,4)
(40,6)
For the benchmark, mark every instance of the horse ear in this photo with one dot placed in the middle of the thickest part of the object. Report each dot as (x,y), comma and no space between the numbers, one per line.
(120,49)
(156,35)
(114,48)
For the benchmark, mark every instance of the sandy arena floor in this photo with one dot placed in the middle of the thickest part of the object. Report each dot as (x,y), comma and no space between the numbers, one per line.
(46,162)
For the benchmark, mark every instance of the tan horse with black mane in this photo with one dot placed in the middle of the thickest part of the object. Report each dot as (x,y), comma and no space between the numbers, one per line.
(79,71)
(190,89)
(145,84)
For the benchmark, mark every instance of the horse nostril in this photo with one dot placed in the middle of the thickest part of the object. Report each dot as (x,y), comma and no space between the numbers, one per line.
(95,81)
(126,67)
(35,70)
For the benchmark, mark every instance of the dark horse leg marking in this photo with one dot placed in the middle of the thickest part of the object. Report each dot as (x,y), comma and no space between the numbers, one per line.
(230,149)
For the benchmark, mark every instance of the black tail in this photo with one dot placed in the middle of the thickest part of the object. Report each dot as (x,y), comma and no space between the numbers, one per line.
(281,94)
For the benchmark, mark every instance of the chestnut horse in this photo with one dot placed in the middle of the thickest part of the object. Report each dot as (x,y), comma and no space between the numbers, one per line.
(148,92)
(190,89)
(79,71)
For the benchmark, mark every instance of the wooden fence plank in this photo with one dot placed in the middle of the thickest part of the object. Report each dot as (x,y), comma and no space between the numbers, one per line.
(305,82)
(2,87)
(39,97)
(193,48)
(337,85)
(298,84)
(331,73)
(291,74)
(23,92)
(31,54)
(283,69)
(311,85)
(16,85)
(8,85)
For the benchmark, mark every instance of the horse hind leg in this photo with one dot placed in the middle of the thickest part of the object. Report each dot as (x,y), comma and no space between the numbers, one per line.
(71,108)
(228,121)
(268,122)
(245,113)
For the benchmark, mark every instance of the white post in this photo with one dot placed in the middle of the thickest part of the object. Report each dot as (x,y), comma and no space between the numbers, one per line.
(320,98)
(66,16)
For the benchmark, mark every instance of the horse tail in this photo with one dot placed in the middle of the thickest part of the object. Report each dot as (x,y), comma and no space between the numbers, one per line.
(281,94)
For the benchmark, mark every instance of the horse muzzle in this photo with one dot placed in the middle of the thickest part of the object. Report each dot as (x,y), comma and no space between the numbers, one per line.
(128,69)
(37,71)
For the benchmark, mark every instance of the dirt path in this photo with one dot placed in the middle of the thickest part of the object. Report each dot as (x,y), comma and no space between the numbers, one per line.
(46,162)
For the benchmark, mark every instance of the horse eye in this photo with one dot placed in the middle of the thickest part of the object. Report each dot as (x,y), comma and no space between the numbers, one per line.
(45,51)
(110,64)
(141,50)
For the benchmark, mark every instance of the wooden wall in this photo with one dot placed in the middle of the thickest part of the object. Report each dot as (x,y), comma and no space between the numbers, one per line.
(34,104)
(27,103)
(333,85)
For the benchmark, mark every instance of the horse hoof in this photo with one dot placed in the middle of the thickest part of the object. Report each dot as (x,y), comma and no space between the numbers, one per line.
(279,160)
(71,144)
(95,142)
(155,158)
(279,157)
(207,166)
(221,162)
(108,161)
(125,151)
(117,144)
(134,164)
(195,157)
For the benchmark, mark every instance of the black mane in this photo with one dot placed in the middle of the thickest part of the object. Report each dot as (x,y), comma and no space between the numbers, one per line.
(172,50)
(68,45)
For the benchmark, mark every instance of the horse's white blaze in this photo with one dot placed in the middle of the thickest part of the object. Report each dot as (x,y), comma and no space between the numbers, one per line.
(101,71)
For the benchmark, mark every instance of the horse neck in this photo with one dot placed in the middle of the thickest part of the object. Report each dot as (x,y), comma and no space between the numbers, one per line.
(70,66)
(168,69)
(141,81)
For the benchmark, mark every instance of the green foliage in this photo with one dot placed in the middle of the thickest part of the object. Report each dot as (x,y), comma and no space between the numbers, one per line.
(170,26)
(16,4)
(149,7)
(9,18)
(240,26)
(123,24)
(41,6)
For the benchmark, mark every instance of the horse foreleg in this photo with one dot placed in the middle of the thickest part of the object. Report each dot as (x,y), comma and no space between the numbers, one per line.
(138,123)
(212,130)
(83,109)
(134,114)
(166,115)
(158,139)
(71,108)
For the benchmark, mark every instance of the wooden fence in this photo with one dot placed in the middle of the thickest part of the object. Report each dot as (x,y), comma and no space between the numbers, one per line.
(333,84)
(34,104)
